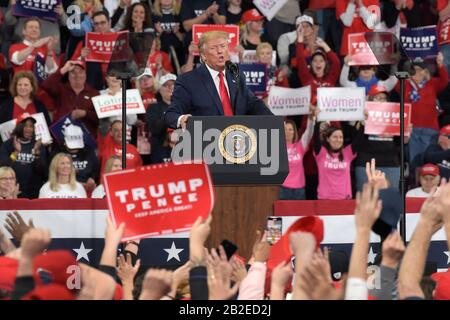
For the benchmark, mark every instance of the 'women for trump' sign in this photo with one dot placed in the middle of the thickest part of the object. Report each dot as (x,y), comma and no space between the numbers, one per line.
(341,104)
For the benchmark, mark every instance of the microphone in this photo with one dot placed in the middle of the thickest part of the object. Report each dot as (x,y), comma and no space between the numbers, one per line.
(233,68)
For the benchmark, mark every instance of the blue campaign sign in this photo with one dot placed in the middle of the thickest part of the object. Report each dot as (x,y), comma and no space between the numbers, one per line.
(43,9)
(420,42)
(255,76)
(39,68)
(57,129)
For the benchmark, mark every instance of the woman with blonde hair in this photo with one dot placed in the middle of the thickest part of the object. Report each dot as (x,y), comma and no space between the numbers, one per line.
(114,163)
(253,27)
(62,181)
(9,188)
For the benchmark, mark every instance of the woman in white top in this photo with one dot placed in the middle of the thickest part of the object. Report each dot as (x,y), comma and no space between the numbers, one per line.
(61,181)
(114,163)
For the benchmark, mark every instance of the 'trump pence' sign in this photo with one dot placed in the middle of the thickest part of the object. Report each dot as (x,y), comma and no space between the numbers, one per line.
(233,32)
(341,104)
(159,199)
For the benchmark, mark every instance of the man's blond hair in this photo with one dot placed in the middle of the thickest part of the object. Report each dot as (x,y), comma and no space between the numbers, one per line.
(209,36)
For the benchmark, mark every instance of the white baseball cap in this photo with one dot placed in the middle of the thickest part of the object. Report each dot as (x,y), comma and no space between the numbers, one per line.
(147,72)
(73,136)
(167,77)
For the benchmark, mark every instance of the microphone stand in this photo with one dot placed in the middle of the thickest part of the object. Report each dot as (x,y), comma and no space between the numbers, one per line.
(402,76)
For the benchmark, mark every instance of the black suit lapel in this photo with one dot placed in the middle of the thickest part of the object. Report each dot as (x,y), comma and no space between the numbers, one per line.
(210,86)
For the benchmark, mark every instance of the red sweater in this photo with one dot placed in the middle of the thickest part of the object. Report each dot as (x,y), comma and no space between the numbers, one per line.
(358,24)
(306,77)
(110,148)
(424,113)
(29,61)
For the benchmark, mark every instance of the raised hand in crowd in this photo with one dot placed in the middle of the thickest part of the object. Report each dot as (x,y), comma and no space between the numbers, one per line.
(68,66)
(41,42)
(440,59)
(212,9)
(219,276)
(95,284)
(280,277)
(239,270)
(6,246)
(322,44)
(59,9)
(300,33)
(126,273)
(367,210)
(124,3)
(316,279)
(393,249)
(113,237)
(16,226)
(199,233)
(376,177)
(413,262)
(303,246)
(158,28)
(34,242)
(261,248)
(156,284)
(180,279)
(90,184)
(85,52)
(347,60)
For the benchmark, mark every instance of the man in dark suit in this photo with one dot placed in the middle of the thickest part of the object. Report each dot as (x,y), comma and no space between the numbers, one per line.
(211,89)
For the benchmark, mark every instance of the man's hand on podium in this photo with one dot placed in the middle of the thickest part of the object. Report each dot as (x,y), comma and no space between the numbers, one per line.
(184,120)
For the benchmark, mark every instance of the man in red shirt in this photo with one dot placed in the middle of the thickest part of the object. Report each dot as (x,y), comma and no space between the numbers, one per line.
(112,146)
(357,16)
(23,55)
(73,96)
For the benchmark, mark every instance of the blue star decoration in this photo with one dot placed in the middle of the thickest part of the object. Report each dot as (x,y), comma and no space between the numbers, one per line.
(82,252)
(173,252)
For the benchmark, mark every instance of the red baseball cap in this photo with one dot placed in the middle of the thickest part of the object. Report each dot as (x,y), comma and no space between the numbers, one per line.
(79,63)
(50,292)
(376,89)
(251,15)
(429,169)
(442,291)
(54,264)
(445,130)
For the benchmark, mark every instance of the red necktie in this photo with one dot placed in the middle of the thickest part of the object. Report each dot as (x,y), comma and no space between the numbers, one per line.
(226,103)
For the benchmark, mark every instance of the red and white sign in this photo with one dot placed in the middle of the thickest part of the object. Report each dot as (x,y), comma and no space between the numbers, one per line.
(159,199)
(233,32)
(269,8)
(384,118)
(102,45)
(444,32)
(107,105)
(380,50)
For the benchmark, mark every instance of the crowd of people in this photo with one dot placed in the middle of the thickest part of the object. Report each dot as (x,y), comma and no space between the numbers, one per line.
(43,70)
(305,44)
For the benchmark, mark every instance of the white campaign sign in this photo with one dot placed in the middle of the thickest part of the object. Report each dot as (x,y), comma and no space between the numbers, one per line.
(111,105)
(341,104)
(40,129)
(289,102)
(269,8)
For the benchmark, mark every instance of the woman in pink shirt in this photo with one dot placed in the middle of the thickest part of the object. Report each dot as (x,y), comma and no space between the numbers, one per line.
(293,187)
(334,163)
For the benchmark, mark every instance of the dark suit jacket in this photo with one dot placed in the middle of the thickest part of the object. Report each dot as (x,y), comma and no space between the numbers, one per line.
(196,94)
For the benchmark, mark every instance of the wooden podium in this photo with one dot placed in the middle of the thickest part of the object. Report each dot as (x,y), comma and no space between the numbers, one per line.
(238,212)
(244,190)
